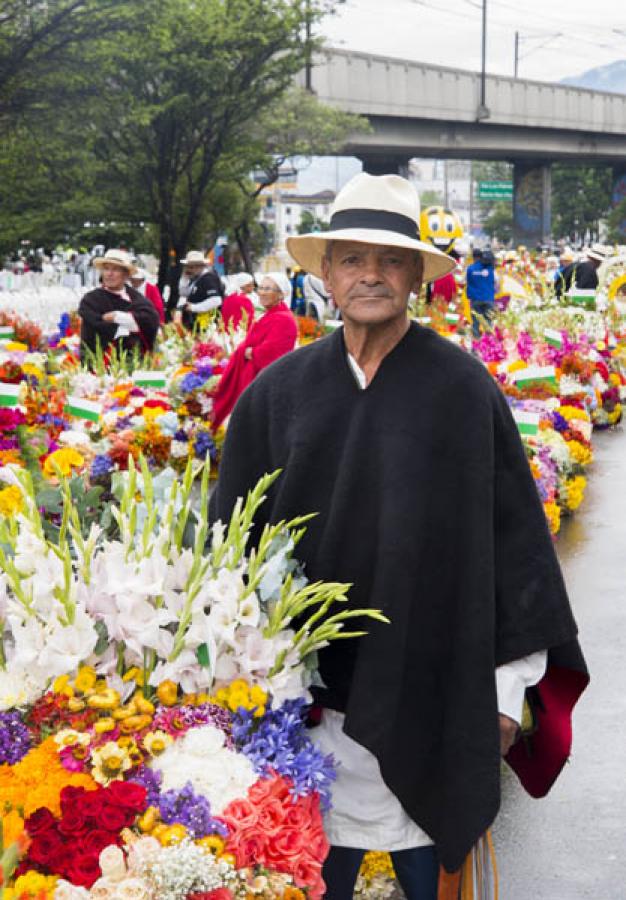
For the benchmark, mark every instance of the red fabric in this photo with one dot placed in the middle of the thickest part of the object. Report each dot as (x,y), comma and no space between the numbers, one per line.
(538,759)
(270,338)
(233,309)
(153,294)
(445,287)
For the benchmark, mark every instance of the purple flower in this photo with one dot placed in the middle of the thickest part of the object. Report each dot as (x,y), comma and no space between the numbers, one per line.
(151,780)
(279,741)
(192,810)
(179,719)
(14,738)
(204,446)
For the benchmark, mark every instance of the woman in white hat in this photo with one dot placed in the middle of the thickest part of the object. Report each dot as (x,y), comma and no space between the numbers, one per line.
(115,314)
(270,338)
(237,304)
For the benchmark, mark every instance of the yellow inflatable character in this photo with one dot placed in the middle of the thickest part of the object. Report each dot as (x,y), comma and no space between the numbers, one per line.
(441,227)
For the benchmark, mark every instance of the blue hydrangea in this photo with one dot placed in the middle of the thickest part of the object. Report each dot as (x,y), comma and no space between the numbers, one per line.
(168,423)
(190,382)
(279,741)
(204,445)
(101,465)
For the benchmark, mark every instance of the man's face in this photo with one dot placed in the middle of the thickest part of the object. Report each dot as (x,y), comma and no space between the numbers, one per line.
(371,284)
(113,277)
(193,270)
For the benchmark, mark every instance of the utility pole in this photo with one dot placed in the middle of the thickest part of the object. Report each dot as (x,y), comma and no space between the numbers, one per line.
(516,66)
(483,111)
(308,82)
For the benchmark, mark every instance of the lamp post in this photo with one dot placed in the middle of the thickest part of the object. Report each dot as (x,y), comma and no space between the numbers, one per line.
(308,83)
(483,110)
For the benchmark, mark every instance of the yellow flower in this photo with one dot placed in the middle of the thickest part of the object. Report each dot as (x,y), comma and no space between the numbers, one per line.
(553,515)
(580,454)
(575,491)
(65,460)
(573,412)
(33,371)
(517,365)
(16,346)
(167,692)
(61,685)
(104,725)
(11,827)
(11,500)
(213,843)
(86,679)
(173,834)
(34,886)
(155,742)
(68,737)
(110,762)
(148,820)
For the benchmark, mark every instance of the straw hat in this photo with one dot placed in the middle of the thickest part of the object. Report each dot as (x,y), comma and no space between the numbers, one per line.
(373,209)
(194,258)
(117,258)
(598,252)
(567,255)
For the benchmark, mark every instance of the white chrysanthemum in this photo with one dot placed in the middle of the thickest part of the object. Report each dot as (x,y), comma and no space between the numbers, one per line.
(217,773)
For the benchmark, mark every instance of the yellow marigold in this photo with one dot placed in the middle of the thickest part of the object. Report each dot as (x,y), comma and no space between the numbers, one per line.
(11,500)
(376,863)
(37,780)
(11,827)
(580,454)
(293,893)
(65,459)
(553,515)
(573,412)
(575,491)
(34,886)
(16,346)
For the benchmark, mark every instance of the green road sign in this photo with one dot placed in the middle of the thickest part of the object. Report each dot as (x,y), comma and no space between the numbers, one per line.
(495,190)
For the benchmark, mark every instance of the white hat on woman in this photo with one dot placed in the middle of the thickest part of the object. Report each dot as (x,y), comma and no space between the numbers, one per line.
(373,209)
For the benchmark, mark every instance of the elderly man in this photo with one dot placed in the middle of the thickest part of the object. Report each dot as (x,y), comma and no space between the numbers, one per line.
(582,275)
(205,291)
(406,448)
(115,314)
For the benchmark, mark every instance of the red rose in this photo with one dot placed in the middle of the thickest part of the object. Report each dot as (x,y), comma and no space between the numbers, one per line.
(84,870)
(95,841)
(240,813)
(91,803)
(307,873)
(70,797)
(73,822)
(248,846)
(126,794)
(41,820)
(114,818)
(269,787)
(284,848)
(317,844)
(45,847)
(271,815)
(297,816)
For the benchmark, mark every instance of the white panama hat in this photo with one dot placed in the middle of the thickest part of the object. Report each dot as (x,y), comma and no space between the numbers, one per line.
(598,252)
(117,258)
(195,258)
(372,209)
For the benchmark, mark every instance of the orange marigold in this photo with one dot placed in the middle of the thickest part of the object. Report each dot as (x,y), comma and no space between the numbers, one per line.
(38,779)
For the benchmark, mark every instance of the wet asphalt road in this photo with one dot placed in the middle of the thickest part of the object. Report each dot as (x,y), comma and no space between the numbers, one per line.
(572,844)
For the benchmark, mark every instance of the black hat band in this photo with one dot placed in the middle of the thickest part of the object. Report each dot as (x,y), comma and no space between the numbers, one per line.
(376,220)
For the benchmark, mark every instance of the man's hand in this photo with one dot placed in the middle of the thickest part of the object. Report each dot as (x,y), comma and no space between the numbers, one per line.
(509,730)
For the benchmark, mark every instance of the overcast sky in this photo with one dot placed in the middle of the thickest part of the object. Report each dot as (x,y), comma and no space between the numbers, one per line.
(557,37)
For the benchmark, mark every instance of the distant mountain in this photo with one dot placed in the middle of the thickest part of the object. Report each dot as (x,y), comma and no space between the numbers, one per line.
(604,78)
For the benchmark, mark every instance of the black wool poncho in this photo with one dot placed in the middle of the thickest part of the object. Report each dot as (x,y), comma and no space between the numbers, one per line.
(93,327)
(428,507)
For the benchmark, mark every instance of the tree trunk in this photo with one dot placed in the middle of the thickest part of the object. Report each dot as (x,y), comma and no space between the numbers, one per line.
(242,236)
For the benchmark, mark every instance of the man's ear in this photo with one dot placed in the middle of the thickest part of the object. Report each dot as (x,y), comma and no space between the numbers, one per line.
(326,273)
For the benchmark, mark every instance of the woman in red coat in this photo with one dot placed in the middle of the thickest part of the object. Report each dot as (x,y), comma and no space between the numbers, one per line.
(270,338)
(237,305)
(139,281)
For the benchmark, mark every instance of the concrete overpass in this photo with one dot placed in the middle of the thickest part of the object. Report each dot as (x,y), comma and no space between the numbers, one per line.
(423,110)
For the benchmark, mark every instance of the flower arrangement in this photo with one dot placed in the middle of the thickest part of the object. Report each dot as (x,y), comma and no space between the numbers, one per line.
(162,688)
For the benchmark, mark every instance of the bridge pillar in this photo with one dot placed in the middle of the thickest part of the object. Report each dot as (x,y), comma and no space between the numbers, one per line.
(386,165)
(619,192)
(532,213)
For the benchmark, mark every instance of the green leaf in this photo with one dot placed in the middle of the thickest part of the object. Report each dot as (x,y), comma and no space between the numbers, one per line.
(202,655)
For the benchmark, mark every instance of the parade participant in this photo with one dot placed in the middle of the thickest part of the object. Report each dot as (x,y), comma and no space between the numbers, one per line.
(482,286)
(566,257)
(271,337)
(205,291)
(442,227)
(368,426)
(237,305)
(583,275)
(139,280)
(298,303)
(115,314)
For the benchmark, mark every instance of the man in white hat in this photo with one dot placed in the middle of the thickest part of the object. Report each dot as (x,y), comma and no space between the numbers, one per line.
(115,314)
(406,448)
(584,274)
(205,291)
